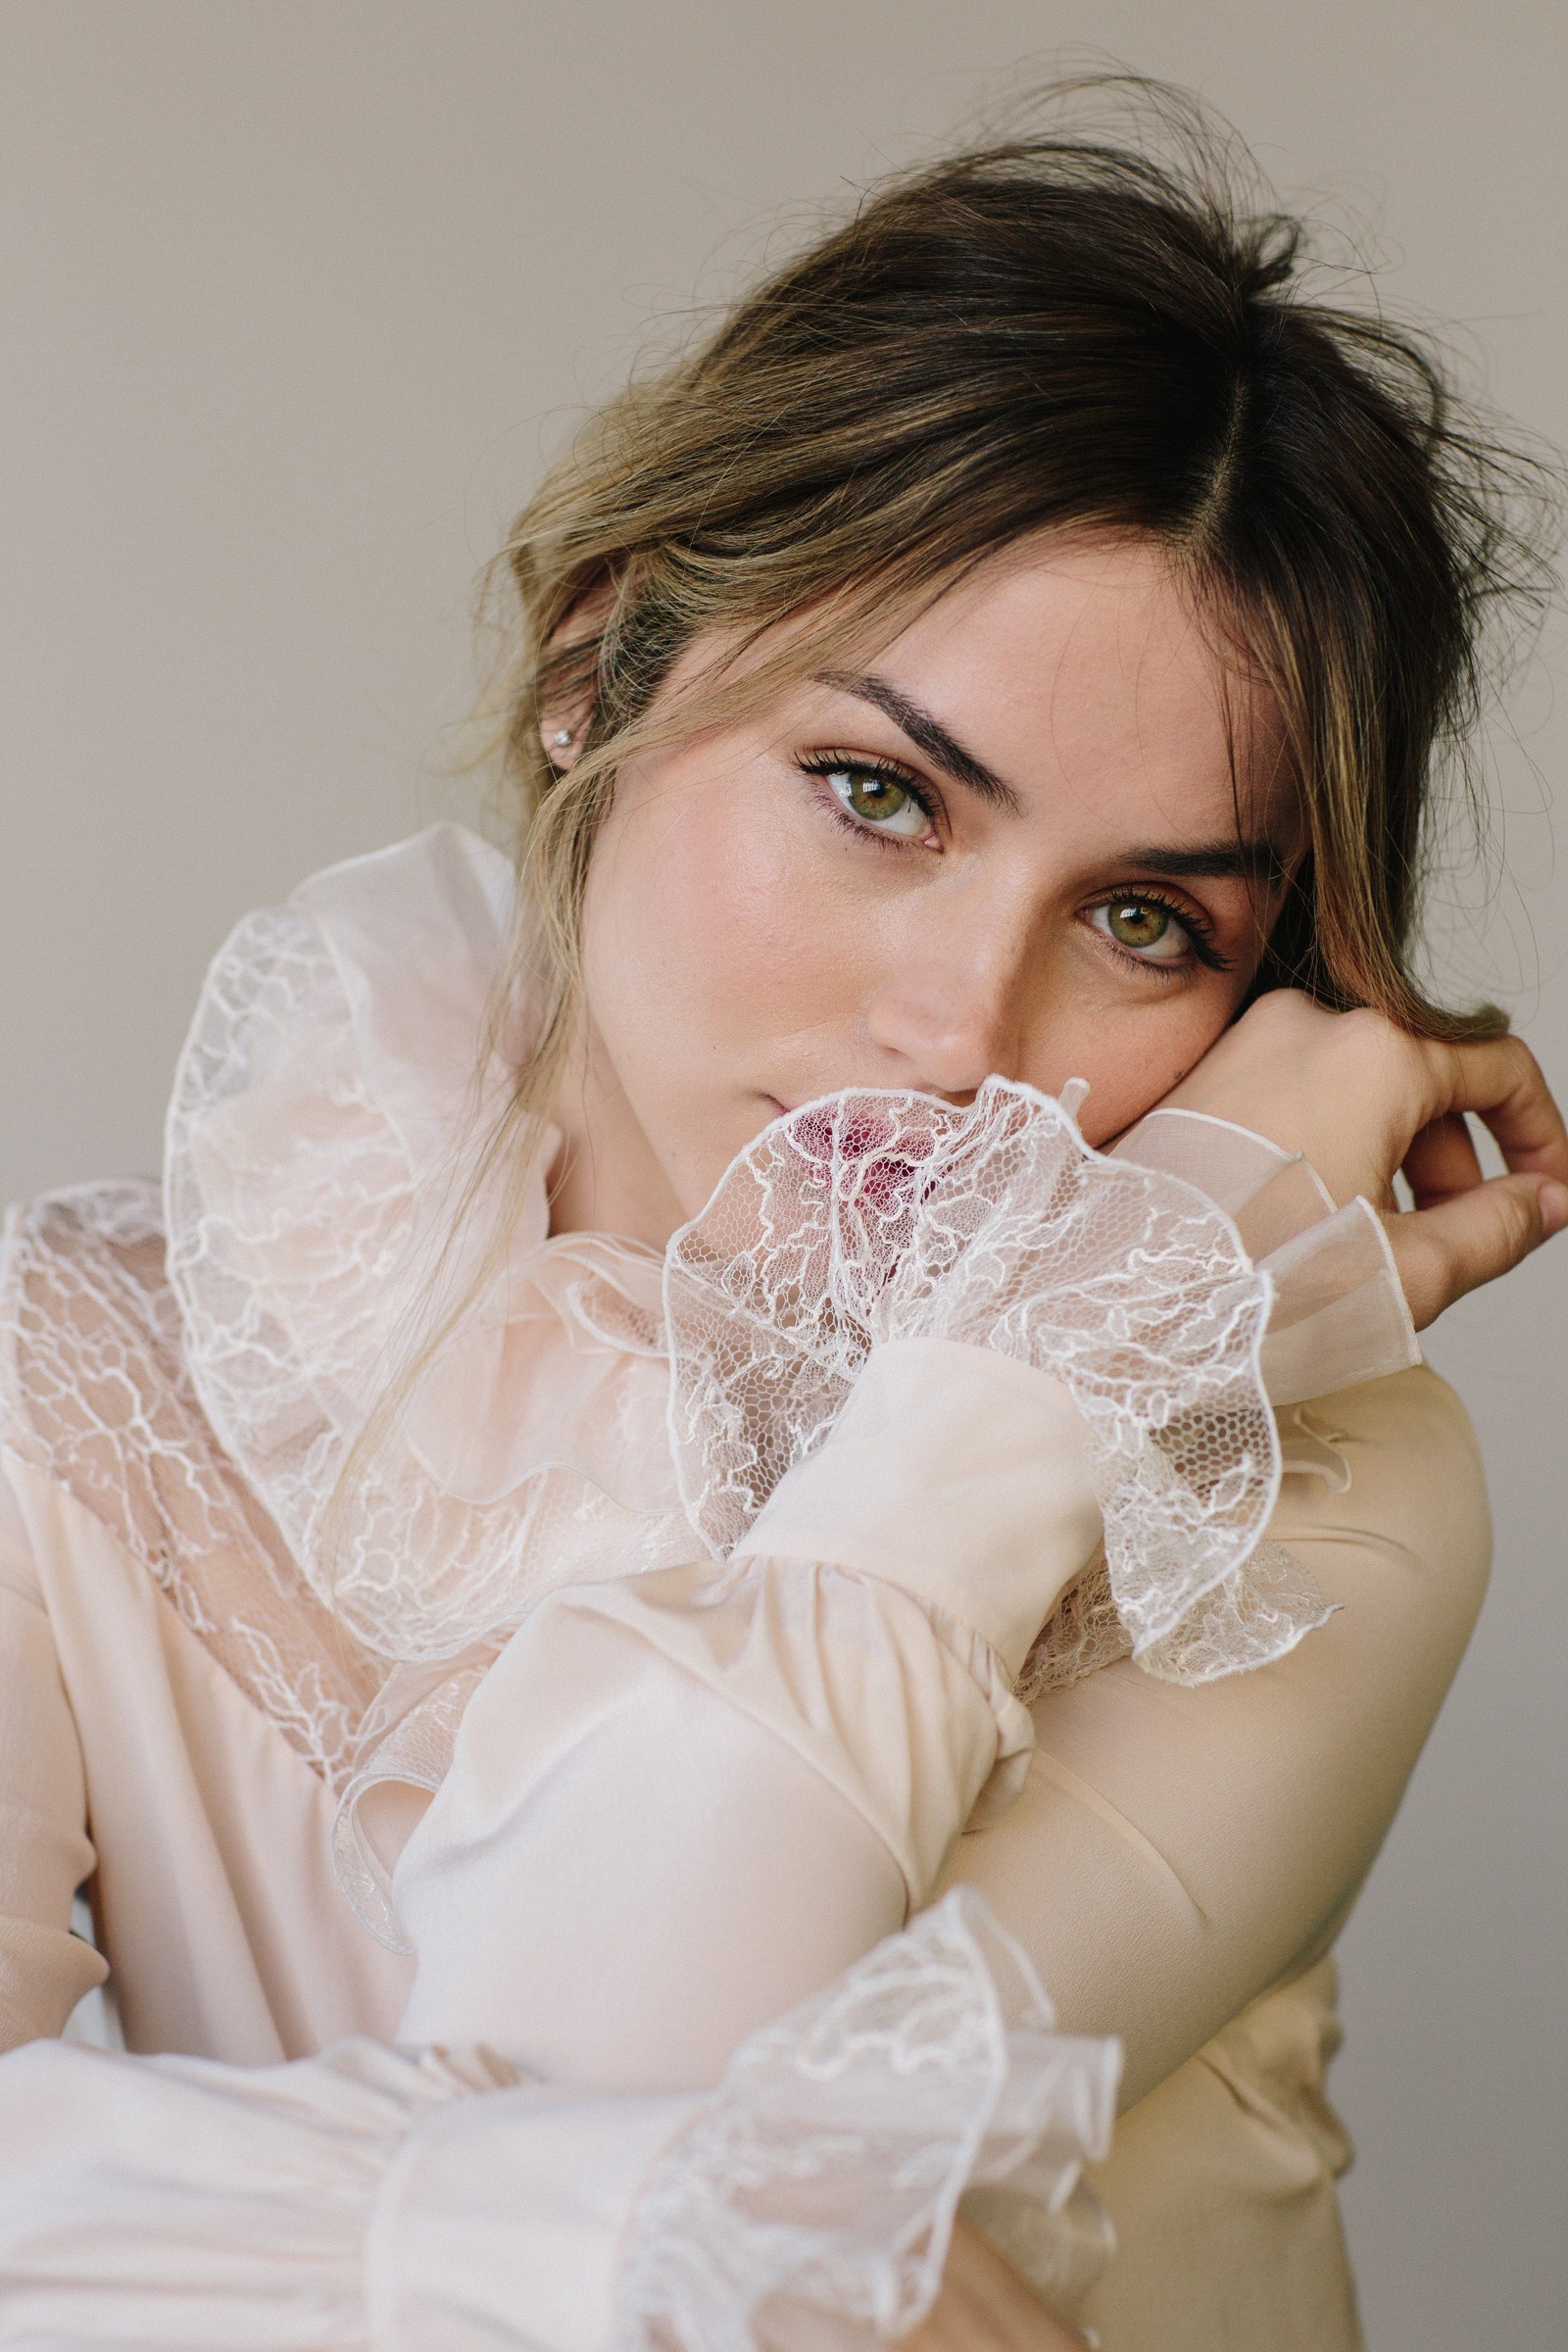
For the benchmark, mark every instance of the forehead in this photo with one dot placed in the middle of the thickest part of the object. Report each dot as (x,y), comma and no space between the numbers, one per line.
(1086,675)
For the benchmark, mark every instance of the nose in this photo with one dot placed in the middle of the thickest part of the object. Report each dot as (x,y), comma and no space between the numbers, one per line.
(948,1015)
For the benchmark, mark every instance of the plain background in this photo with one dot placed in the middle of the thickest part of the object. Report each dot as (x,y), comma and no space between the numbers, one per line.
(297,293)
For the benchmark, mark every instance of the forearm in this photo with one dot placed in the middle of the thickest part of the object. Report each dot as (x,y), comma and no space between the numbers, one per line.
(628,1866)
(769,1760)
(351,2202)
(1176,1851)
(382,2199)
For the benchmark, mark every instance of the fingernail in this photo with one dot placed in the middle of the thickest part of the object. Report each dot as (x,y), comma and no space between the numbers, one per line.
(1555,1207)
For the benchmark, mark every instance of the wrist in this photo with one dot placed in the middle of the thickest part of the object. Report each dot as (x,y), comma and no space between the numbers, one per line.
(955,1473)
(509,2211)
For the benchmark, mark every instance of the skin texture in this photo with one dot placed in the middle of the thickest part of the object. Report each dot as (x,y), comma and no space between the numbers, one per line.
(749,944)
(751,941)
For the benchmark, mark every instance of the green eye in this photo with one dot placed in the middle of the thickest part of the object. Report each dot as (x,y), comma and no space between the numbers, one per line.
(879,800)
(1137,924)
(1144,927)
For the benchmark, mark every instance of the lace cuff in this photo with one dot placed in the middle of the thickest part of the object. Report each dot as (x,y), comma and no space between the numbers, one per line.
(955,1473)
(870,1218)
(1338,1317)
(1338,1314)
(823,2179)
(416,2198)
(819,2182)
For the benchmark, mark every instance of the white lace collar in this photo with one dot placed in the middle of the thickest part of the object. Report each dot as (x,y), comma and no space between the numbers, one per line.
(328,1117)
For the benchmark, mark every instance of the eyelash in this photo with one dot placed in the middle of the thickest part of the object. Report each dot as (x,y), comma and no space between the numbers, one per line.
(1197,927)
(828,763)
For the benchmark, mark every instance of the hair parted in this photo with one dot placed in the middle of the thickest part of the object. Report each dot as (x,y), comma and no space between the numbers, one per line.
(1067,329)
(1059,330)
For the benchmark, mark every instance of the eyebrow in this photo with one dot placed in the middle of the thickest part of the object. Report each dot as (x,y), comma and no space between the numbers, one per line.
(942,748)
(1233,859)
(1228,861)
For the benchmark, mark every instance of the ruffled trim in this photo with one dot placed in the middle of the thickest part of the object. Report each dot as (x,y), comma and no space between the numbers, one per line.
(326,1130)
(1338,1314)
(875,1216)
(378,2195)
(823,2180)
(327,1195)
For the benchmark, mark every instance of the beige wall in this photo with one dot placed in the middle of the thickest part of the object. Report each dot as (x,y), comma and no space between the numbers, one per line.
(295,291)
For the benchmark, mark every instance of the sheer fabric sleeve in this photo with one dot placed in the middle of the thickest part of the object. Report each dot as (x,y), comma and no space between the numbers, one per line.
(680,1803)
(1214,1839)
(767,1759)
(44,1852)
(385,2199)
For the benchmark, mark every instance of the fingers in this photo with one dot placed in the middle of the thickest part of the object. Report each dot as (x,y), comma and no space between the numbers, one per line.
(1441,1161)
(1501,1082)
(1472,1238)
(985,2307)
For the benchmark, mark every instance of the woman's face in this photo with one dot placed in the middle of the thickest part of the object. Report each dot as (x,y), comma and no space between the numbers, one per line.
(1016,840)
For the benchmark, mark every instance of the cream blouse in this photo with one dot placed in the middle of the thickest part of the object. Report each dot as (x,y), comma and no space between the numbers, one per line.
(647,1709)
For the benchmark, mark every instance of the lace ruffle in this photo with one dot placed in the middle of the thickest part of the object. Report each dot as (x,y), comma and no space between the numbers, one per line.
(823,2180)
(327,1195)
(377,2194)
(874,1216)
(1338,1316)
(328,1122)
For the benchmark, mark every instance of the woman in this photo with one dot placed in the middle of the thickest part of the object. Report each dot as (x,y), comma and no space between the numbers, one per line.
(631,1441)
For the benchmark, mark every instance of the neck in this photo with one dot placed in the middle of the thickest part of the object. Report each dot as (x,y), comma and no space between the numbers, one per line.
(604,1177)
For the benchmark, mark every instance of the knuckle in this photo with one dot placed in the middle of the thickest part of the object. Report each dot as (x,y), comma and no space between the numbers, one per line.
(1281,1010)
(1377,1049)
(1526,1070)
(1369,1032)
(1520,1219)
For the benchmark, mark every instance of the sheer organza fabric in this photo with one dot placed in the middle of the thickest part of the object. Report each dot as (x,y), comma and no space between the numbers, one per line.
(200,1369)
(326,1172)
(200,1373)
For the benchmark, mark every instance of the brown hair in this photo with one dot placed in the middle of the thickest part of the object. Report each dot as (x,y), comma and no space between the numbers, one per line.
(1052,331)
(1056,331)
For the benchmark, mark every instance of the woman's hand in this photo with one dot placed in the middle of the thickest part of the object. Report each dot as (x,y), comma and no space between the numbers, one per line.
(1362,1100)
(985,2307)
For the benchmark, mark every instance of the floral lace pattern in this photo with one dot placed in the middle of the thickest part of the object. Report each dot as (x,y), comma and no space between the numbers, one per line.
(305,1243)
(327,1120)
(96,1393)
(875,1216)
(824,2177)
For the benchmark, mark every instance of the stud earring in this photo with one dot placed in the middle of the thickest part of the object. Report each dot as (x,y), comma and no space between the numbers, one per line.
(562,738)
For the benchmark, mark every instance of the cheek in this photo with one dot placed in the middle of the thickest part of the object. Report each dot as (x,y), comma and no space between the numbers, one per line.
(700,926)
(1132,1061)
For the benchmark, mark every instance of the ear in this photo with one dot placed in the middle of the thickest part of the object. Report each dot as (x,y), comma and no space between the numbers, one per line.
(563,721)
